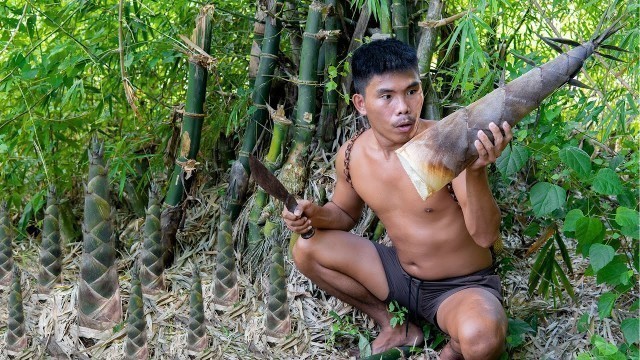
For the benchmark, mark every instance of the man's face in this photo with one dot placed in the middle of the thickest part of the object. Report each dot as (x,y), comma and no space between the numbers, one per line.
(392,103)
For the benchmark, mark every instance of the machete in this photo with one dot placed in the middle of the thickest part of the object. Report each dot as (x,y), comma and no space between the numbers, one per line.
(274,187)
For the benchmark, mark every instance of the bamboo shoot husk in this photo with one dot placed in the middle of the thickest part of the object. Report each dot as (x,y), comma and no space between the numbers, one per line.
(50,252)
(437,155)
(99,305)
(15,337)
(6,257)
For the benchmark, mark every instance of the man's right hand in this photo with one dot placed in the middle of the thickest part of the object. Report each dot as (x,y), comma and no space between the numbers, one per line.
(298,221)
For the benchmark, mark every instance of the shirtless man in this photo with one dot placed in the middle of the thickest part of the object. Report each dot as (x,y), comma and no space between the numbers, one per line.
(440,265)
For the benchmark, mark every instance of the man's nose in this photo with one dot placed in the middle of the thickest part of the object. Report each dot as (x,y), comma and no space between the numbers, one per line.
(403,106)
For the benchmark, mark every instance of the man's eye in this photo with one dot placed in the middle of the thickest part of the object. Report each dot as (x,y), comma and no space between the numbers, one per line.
(385,97)
(413,91)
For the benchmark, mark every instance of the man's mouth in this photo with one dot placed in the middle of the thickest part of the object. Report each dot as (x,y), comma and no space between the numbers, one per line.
(405,125)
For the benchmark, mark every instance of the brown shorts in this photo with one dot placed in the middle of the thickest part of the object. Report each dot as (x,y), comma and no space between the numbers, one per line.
(422,298)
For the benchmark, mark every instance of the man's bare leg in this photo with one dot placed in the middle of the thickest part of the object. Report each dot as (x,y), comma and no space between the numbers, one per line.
(347,266)
(477,324)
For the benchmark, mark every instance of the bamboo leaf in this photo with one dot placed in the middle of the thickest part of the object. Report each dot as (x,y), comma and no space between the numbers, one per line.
(564,252)
(566,284)
(546,197)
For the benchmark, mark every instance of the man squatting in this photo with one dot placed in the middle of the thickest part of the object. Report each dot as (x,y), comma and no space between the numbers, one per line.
(440,264)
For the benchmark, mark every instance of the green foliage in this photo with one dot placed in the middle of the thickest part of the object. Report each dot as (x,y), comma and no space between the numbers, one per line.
(399,313)
(343,326)
(516,332)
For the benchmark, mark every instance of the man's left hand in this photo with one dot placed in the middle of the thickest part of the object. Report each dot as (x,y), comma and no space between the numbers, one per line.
(488,152)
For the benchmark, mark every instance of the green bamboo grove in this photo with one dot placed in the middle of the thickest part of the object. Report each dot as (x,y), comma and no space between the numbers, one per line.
(303,72)
(99,304)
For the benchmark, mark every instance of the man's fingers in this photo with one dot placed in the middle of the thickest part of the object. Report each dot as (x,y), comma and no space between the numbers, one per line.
(497,134)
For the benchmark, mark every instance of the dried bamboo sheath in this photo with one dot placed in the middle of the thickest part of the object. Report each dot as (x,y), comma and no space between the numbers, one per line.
(99,302)
(437,155)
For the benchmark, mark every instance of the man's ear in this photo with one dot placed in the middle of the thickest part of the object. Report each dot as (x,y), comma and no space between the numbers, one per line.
(358,102)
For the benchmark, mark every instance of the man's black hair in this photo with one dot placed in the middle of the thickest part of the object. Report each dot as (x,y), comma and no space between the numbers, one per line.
(380,57)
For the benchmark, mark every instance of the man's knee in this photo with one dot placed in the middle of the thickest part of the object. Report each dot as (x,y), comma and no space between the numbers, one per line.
(484,339)
(303,252)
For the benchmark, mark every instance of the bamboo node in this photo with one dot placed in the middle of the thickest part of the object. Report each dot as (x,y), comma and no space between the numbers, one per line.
(278,115)
(188,166)
(196,115)
(316,36)
(297,81)
(327,34)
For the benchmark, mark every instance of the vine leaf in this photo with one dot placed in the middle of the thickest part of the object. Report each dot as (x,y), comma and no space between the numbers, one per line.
(546,197)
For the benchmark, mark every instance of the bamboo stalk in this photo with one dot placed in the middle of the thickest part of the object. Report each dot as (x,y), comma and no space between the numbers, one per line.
(6,238)
(152,265)
(135,347)
(426,48)
(295,38)
(294,173)
(197,338)
(15,337)
(278,321)
(190,137)
(99,305)
(239,179)
(385,18)
(329,111)
(256,44)
(50,251)
(400,20)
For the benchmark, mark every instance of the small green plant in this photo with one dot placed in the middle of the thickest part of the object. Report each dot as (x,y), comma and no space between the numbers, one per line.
(342,326)
(433,336)
(399,313)
(516,332)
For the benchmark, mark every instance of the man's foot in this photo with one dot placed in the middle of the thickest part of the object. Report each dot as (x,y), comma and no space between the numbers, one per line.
(397,336)
(448,353)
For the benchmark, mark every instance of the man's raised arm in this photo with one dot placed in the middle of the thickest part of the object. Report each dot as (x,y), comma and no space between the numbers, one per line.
(481,213)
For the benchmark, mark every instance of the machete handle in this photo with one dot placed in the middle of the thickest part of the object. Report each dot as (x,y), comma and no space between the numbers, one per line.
(309,233)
